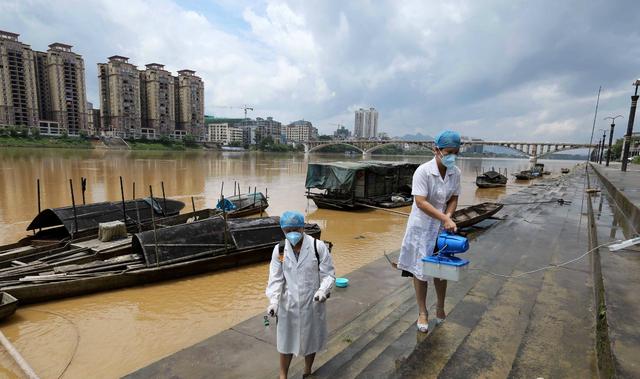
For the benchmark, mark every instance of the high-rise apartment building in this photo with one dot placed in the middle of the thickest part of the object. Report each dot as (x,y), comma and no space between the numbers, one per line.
(120,97)
(189,99)
(158,100)
(300,130)
(224,133)
(257,130)
(366,123)
(18,89)
(61,88)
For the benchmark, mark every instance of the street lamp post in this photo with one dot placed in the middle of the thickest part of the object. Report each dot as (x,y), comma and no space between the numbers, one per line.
(613,125)
(632,116)
(604,139)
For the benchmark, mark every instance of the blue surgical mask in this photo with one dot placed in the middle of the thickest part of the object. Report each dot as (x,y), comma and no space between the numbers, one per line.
(449,160)
(294,237)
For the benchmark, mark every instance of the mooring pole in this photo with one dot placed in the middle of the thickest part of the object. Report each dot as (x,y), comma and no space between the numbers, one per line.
(124,209)
(164,200)
(234,187)
(39,210)
(83,186)
(224,217)
(38,186)
(153,222)
(73,203)
(193,205)
(135,202)
(222,190)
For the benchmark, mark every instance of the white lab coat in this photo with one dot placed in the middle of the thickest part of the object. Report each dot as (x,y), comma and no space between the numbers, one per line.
(422,230)
(302,324)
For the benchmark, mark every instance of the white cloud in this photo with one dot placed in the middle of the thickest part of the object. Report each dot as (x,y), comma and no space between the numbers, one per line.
(493,70)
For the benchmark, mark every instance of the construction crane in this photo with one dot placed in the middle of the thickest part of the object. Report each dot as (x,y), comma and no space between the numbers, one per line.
(243,107)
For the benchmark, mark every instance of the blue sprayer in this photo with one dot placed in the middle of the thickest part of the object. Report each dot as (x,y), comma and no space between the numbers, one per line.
(445,265)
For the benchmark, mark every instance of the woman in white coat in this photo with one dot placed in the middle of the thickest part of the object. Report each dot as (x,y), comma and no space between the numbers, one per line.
(301,275)
(435,190)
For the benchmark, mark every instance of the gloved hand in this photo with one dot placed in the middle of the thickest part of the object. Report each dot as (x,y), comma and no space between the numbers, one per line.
(272,310)
(320,296)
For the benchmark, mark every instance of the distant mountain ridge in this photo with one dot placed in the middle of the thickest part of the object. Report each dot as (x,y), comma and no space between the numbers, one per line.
(416,137)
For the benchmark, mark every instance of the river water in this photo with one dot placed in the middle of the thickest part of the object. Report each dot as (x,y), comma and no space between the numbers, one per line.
(111,334)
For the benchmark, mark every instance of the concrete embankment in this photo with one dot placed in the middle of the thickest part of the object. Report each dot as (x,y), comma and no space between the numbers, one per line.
(512,322)
(617,217)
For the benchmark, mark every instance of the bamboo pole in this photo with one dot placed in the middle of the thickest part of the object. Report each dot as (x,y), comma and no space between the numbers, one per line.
(83,186)
(39,209)
(224,217)
(164,200)
(73,203)
(193,206)
(153,221)
(38,185)
(135,202)
(124,209)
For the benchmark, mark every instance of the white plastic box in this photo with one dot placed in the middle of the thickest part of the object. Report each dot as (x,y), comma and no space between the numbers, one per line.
(448,268)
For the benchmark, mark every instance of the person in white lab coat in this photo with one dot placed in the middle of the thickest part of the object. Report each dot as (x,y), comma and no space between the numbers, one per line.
(435,189)
(301,275)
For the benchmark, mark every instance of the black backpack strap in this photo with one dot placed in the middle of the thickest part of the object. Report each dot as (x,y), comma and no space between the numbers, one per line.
(315,247)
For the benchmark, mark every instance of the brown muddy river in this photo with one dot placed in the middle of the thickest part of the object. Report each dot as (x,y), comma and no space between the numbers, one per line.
(111,334)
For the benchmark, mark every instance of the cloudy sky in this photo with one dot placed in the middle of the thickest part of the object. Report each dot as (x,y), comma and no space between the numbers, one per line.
(499,70)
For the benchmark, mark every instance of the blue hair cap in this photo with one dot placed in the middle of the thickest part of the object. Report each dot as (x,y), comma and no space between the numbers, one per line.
(447,138)
(292,219)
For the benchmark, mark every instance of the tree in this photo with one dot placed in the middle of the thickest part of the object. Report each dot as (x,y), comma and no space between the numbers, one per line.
(325,138)
(189,140)
(616,149)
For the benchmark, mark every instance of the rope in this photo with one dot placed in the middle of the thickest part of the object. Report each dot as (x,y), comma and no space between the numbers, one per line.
(559,201)
(546,267)
(75,327)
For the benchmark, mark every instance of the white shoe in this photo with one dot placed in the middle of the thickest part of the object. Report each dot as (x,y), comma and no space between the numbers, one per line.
(424,328)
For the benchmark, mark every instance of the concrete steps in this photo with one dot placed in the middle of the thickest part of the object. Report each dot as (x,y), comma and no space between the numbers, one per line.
(540,325)
(377,351)
(496,327)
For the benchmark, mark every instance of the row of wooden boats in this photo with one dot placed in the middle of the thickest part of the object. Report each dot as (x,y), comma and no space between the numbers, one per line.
(64,257)
(494,179)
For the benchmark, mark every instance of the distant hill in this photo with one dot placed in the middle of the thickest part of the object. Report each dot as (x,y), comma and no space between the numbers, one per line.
(416,137)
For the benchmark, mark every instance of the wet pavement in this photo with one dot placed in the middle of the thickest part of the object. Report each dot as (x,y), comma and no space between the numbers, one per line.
(536,325)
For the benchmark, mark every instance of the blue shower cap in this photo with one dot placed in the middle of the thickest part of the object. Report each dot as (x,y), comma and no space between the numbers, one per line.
(291,219)
(447,138)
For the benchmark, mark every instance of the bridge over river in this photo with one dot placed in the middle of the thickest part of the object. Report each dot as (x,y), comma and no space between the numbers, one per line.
(533,150)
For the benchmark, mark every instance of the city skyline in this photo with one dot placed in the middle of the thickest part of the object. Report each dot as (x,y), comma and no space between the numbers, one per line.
(490,71)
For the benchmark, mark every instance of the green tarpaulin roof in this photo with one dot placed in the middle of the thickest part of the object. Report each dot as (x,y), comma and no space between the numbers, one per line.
(341,175)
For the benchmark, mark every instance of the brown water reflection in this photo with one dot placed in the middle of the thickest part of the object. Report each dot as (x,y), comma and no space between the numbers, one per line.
(120,331)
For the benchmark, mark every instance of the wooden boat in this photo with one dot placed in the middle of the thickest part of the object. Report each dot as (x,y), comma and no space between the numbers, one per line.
(474,214)
(564,170)
(12,256)
(243,204)
(524,175)
(354,185)
(491,179)
(55,225)
(8,305)
(173,252)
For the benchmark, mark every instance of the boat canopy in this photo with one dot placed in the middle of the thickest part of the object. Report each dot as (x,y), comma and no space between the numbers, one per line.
(242,201)
(213,236)
(89,216)
(342,176)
